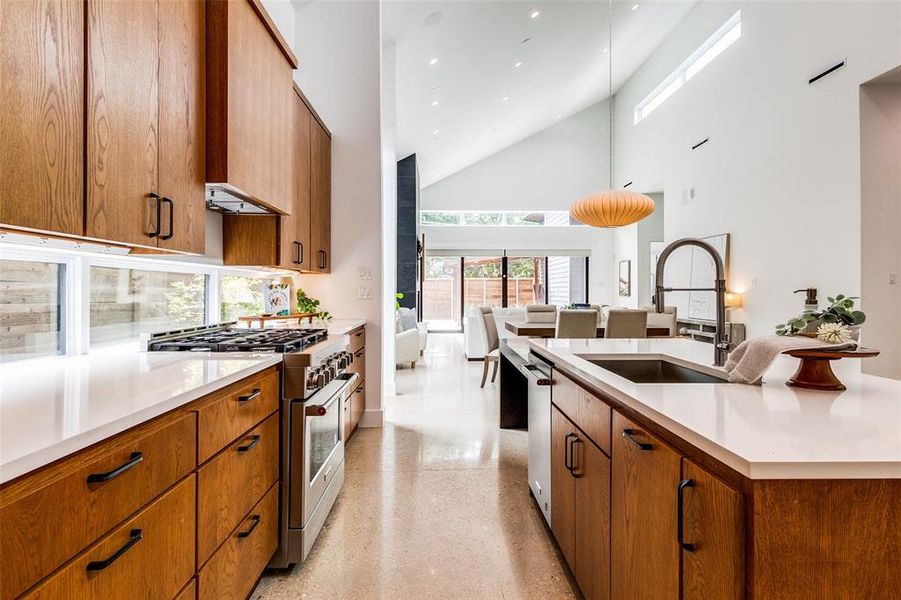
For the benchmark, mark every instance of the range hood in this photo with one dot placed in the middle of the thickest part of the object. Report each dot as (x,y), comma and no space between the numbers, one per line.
(228,199)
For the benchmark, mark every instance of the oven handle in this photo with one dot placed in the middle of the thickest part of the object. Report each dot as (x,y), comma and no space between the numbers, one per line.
(320,410)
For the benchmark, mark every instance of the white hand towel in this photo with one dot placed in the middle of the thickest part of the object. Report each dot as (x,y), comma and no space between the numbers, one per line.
(752,358)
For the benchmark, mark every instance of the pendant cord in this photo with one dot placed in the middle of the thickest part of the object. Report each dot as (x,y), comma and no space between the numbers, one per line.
(610,89)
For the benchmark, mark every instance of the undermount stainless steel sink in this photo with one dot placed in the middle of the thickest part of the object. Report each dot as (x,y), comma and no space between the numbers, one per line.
(655,371)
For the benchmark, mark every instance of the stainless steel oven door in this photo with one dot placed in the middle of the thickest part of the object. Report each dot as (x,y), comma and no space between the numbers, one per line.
(317,446)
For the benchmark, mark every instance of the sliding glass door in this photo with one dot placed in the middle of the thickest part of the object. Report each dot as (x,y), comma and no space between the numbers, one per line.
(482,282)
(442,293)
(526,282)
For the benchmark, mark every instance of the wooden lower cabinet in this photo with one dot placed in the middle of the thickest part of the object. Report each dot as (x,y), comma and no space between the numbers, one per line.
(235,567)
(580,510)
(646,476)
(232,482)
(134,516)
(148,556)
(713,525)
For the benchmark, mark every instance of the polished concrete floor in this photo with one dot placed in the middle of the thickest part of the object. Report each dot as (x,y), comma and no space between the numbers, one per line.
(435,504)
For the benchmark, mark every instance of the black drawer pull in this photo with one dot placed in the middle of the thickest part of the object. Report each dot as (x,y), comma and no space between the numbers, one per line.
(628,433)
(572,456)
(680,505)
(249,530)
(98,565)
(136,457)
(359,390)
(247,398)
(254,440)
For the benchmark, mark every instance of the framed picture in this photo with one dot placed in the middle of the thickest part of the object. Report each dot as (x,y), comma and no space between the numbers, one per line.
(625,278)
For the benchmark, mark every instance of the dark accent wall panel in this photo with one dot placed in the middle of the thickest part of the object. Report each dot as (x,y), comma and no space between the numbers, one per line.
(407,230)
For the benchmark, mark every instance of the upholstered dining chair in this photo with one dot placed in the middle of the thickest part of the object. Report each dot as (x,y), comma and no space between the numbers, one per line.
(626,323)
(541,313)
(576,323)
(492,344)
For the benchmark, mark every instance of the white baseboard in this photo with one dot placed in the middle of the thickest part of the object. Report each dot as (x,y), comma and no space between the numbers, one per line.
(372,418)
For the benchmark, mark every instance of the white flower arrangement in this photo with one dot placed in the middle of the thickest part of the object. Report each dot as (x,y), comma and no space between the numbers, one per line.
(834,333)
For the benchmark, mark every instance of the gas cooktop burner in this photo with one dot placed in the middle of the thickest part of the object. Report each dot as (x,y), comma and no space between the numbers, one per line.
(231,339)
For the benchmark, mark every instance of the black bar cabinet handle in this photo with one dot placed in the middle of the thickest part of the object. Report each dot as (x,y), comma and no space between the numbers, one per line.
(299,252)
(572,455)
(254,440)
(247,398)
(171,204)
(98,565)
(159,215)
(323,257)
(566,451)
(136,457)
(249,530)
(629,433)
(680,505)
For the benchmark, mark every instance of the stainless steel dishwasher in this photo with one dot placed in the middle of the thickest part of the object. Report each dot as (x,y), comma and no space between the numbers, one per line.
(539,374)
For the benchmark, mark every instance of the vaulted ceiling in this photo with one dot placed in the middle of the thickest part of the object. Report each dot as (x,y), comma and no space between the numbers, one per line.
(504,72)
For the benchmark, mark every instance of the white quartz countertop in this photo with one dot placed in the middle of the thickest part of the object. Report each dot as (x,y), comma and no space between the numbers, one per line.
(50,408)
(768,431)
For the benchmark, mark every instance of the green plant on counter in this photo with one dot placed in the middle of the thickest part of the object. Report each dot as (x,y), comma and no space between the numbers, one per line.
(840,310)
(308,304)
(399,296)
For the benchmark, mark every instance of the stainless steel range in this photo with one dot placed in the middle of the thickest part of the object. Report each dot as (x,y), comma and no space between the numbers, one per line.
(315,387)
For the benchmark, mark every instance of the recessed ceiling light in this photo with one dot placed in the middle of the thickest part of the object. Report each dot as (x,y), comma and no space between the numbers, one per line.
(435,103)
(606,50)
(535,14)
(518,64)
(436,132)
(505,98)
(559,116)
(433,62)
(634,7)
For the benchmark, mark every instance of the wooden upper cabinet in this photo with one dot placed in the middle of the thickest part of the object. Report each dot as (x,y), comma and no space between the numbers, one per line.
(123,121)
(42,120)
(713,526)
(296,252)
(645,481)
(182,125)
(321,215)
(249,70)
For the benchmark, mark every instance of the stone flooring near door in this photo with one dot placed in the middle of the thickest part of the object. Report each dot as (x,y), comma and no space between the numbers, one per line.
(435,504)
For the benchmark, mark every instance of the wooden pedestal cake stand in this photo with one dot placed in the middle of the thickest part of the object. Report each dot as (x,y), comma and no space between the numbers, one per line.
(815,371)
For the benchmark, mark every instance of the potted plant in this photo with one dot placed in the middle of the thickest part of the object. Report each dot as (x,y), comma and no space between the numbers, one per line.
(837,322)
(308,304)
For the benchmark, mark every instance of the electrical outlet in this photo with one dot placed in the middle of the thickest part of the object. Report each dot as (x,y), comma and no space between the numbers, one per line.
(364,293)
(365,273)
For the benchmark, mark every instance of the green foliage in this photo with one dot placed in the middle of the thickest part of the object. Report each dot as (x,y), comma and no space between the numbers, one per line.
(483,218)
(399,296)
(240,296)
(840,310)
(185,301)
(439,218)
(308,304)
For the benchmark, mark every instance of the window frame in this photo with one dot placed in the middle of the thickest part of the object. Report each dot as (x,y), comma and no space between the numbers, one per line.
(75,297)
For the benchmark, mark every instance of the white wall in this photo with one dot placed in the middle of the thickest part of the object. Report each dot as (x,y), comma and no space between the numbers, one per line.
(284,16)
(389,210)
(339,49)
(781,170)
(880,107)
(650,230)
(547,171)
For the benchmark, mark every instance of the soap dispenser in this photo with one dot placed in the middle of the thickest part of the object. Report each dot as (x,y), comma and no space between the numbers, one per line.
(810,302)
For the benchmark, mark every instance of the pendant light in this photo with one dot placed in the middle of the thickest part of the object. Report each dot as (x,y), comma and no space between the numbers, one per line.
(612,208)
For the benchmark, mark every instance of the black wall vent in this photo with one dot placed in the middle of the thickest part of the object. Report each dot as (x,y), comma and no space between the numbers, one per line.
(627,185)
(701,143)
(828,71)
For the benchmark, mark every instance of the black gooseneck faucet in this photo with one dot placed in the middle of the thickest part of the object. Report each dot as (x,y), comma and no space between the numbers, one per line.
(720,343)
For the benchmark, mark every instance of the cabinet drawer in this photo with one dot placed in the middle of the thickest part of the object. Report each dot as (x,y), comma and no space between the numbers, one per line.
(357,339)
(359,364)
(149,556)
(591,414)
(230,484)
(50,516)
(234,569)
(357,405)
(230,413)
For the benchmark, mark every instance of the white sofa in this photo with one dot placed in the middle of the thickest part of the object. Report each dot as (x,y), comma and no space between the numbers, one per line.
(410,338)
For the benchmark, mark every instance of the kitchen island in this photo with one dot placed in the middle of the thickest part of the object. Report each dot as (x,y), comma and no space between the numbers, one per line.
(718,490)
